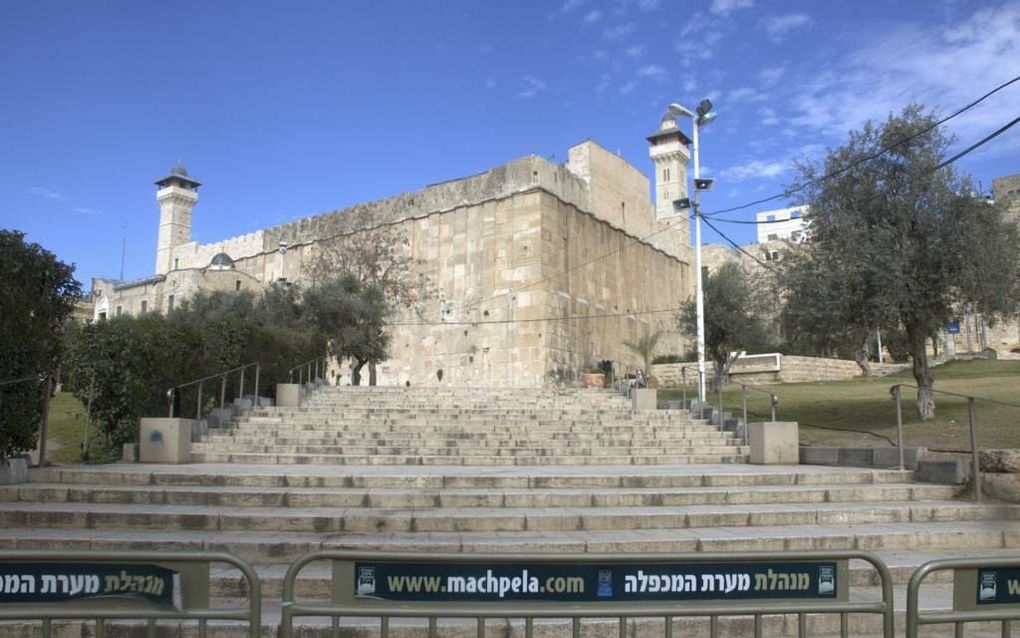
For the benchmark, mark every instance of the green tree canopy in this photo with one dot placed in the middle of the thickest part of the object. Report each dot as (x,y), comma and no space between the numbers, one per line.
(733,318)
(350,314)
(39,294)
(896,241)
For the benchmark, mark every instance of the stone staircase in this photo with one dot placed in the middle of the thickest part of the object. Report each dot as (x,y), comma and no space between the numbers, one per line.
(398,426)
(503,471)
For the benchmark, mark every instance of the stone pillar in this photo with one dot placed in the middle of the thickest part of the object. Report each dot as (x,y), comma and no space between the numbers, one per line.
(288,395)
(643,399)
(165,440)
(774,443)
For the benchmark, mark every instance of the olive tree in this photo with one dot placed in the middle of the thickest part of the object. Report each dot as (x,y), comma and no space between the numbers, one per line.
(898,240)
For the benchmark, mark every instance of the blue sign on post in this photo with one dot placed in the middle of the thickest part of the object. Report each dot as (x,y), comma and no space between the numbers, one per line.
(953,327)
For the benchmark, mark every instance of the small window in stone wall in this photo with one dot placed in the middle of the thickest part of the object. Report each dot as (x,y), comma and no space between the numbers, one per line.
(237,284)
(170,304)
(176,263)
(145,306)
(119,309)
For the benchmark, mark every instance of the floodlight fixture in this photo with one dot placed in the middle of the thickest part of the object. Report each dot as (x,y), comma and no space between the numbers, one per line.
(703,184)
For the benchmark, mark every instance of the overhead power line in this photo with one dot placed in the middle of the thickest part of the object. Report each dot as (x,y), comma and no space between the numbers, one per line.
(866,158)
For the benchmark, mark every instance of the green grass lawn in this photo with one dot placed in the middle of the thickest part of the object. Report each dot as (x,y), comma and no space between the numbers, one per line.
(861,412)
(66,432)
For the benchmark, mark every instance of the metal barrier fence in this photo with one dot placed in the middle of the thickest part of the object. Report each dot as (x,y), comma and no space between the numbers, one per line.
(83,585)
(897,395)
(984,590)
(624,587)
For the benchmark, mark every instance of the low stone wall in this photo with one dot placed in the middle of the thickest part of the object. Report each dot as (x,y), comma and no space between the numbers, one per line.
(792,369)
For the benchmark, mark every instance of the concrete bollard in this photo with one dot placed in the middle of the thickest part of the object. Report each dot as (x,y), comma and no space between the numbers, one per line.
(288,395)
(643,399)
(165,440)
(774,442)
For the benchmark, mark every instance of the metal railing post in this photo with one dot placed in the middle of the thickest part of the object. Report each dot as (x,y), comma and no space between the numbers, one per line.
(170,399)
(258,369)
(223,391)
(683,384)
(47,384)
(240,390)
(975,464)
(743,401)
(720,405)
(198,404)
(773,402)
(899,421)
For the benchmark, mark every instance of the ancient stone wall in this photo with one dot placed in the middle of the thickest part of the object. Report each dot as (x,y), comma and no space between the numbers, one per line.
(793,369)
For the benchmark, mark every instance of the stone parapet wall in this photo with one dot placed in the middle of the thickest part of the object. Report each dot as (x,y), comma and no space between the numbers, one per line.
(793,369)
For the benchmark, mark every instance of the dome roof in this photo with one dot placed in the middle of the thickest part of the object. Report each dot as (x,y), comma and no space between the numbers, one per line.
(221,261)
(179,170)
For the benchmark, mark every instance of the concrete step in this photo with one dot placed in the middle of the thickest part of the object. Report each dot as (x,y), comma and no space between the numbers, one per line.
(264,547)
(458,477)
(490,519)
(462,498)
(737,456)
(508,449)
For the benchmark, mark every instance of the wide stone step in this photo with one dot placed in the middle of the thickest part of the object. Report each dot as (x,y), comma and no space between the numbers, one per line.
(404,440)
(490,519)
(738,455)
(465,498)
(520,449)
(263,547)
(457,477)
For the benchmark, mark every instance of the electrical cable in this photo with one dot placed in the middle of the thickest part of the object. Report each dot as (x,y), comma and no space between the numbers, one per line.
(867,158)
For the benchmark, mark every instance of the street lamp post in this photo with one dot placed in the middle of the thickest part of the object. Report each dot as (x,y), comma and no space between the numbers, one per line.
(702,117)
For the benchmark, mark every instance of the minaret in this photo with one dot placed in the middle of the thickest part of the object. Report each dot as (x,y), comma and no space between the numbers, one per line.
(670,153)
(176,196)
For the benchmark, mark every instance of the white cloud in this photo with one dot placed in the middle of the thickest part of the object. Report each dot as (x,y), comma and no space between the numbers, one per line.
(592,16)
(755,169)
(649,5)
(778,26)
(726,7)
(530,87)
(699,37)
(620,31)
(86,211)
(942,67)
(603,84)
(746,94)
(771,75)
(628,88)
(570,6)
(635,51)
(45,192)
(653,71)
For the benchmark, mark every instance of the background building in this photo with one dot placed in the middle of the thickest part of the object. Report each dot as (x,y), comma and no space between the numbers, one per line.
(541,270)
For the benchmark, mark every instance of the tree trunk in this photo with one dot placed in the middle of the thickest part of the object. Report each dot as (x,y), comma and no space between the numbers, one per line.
(719,378)
(861,359)
(371,373)
(356,372)
(922,374)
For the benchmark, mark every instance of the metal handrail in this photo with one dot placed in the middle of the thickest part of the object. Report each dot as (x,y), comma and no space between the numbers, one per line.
(897,396)
(41,377)
(172,392)
(307,365)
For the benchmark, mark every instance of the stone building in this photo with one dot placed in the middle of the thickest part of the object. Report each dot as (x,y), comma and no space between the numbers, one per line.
(541,269)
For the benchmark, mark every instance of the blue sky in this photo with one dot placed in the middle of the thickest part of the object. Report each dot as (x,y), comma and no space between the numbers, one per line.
(284,110)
